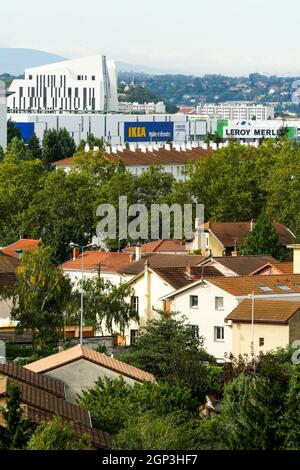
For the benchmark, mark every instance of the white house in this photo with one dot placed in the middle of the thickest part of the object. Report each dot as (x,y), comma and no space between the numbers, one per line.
(208,301)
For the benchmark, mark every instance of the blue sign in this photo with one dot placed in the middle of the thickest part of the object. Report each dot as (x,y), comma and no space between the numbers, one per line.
(148,132)
(27,129)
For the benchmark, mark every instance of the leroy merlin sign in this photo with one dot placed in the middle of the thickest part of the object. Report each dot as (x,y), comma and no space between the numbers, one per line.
(252,130)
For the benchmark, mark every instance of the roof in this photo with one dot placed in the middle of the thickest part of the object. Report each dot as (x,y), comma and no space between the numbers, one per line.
(231,233)
(82,352)
(240,286)
(284,267)
(159,246)
(244,285)
(163,260)
(8,264)
(155,157)
(43,382)
(41,405)
(243,265)
(24,244)
(265,311)
(95,260)
(180,277)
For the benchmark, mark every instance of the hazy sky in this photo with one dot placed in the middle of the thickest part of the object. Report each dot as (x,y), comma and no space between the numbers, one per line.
(197,36)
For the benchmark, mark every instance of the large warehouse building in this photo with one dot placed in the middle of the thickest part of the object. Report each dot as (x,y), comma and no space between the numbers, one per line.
(88,84)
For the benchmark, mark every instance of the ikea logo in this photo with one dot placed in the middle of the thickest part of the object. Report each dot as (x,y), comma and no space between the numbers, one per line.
(137,132)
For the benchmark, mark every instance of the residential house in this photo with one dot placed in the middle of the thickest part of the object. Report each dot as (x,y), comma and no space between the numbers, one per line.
(208,302)
(80,367)
(8,267)
(173,161)
(43,398)
(17,248)
(221,238)
(267,323)
(243,265)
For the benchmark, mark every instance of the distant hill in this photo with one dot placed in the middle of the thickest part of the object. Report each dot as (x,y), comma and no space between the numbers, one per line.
(15,60)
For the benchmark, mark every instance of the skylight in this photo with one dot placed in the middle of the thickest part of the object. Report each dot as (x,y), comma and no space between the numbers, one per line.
(283,287)
(266,288)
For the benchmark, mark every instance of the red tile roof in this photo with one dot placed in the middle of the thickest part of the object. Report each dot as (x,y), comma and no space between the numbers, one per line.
(265,311)
(156,260)
(83,352)
(95,260)
(284,268)
(159,246)
(161,156)
(231,233)
(179,277)
(8,264)
(242,265)
(24,244)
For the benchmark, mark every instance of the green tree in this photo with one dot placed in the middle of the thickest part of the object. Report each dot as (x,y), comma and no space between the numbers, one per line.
(62,211)
(153,186)
(150,431)
(12,131)
(107,304)
(113,402)
(18,151)
(16,430)
(1,154)
(169,349)
(57,435)
(291,421)
(263,240)
(57,145)
(39,297)
(34,146)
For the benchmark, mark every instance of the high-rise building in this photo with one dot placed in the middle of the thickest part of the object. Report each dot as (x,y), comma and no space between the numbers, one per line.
(235,111)
(88,84)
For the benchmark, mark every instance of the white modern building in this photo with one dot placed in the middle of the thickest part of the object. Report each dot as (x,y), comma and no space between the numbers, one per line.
(3,118)
(86,84)
(142,108)
(235,111)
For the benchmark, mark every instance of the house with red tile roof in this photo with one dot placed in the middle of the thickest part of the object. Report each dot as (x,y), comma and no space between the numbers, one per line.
(224,238)
(43,398)
(97,263)
(17,248)
(79,368)
(209,301)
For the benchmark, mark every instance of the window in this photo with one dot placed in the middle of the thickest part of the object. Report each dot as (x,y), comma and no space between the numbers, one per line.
(195,329)
(135,303)
(30,77)
(133,336)
(219,333)
(265,288)
(93,77)
(219,303)
(261,342)
(193,301)
(283,287)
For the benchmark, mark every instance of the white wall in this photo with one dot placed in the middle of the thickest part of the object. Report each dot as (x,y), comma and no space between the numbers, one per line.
(206,317)
(3,117)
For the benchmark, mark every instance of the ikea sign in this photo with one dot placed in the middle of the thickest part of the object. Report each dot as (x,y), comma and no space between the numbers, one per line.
(148,132)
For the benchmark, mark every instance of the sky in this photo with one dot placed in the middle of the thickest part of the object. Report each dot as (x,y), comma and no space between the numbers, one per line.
(189,36)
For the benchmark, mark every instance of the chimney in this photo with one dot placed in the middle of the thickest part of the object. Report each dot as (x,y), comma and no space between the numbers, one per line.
(76,252)
(188,271)
(2,352)
(234,253)
(132,147)
(252,223)
(138,252)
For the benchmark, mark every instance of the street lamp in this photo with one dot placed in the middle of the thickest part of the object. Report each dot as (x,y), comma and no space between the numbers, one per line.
(82,248)
(251,296)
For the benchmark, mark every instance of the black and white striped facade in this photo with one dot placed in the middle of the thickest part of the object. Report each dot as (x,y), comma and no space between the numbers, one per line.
(87,84)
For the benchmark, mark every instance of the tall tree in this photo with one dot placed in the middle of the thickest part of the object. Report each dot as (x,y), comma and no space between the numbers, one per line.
(40,297)
(107,304)
(16,430)
(12,131)
(57,145)
(34,146)
(263,240)
(170,349)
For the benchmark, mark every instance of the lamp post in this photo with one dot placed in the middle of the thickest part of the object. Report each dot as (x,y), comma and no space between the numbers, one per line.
(251,296)
(82,248)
